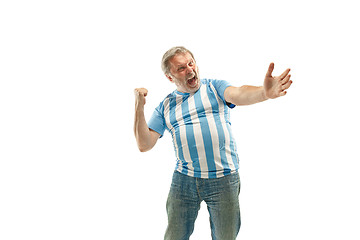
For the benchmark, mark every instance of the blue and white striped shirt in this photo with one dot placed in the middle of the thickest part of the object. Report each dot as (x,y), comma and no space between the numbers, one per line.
(200,127)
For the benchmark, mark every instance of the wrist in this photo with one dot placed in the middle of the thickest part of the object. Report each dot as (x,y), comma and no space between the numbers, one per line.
(139,108)
(139,105)
(264,96)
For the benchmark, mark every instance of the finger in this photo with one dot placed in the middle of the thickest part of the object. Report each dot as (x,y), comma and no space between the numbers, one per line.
(287,85)
(285,80)
(283,93)
(285,73)
(141,91)
(144,91)
(270,70)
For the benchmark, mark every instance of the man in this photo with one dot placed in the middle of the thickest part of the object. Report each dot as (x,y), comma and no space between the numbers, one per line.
(197,116)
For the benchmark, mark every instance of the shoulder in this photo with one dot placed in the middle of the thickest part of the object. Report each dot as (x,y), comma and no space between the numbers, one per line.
(166,100)
(219,85)
(214,82)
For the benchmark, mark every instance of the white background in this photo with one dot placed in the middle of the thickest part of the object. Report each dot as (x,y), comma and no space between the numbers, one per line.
(69,165)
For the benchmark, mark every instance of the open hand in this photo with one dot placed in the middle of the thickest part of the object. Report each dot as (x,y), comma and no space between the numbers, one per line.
(276,86)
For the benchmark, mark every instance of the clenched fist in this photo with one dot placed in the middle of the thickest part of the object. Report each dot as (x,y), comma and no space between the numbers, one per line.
(140,94)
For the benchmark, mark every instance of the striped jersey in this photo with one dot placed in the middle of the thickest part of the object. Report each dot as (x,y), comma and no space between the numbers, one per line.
(199,124)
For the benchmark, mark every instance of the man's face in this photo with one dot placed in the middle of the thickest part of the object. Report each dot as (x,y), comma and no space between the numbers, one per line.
(184,73)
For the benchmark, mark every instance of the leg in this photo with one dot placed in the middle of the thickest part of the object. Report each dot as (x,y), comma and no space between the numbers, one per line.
(182,207)
(223,206)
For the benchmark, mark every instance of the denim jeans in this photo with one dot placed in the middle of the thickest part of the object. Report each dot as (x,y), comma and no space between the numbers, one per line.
(222,199)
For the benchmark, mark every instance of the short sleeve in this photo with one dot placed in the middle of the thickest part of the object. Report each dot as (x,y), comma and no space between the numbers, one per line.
(157,121)
(220,86)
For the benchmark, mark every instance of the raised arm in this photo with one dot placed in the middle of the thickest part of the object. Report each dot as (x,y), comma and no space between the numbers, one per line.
(145,137)
(273,87)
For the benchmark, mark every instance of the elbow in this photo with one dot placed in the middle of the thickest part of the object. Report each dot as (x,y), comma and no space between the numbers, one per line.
(147,143)
(144,148)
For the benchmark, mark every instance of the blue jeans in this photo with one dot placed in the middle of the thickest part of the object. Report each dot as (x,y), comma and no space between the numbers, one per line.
(221,196)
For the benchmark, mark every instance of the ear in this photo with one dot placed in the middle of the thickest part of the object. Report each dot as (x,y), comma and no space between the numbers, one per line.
(169,77)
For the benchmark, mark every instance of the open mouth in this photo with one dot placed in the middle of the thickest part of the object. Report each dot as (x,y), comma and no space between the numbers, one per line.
(192,81)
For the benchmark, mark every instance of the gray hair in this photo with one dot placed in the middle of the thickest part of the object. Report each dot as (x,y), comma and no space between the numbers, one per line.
(165,63)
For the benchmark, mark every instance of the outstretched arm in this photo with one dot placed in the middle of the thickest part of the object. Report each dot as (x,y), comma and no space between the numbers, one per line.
(273,87)
(145,137)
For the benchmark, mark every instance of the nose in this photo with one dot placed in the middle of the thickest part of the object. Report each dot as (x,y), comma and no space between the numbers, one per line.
(189,69)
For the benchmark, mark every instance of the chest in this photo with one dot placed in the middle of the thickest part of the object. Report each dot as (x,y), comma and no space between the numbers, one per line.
(192,108)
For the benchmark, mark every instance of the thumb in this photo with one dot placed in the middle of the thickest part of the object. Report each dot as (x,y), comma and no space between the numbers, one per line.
(270,70)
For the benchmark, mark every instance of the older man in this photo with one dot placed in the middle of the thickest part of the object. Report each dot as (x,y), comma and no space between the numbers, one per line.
(197,116)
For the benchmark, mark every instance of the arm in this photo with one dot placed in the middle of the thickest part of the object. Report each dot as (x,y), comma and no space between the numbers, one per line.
(273,87)
(244,95)
(145,137)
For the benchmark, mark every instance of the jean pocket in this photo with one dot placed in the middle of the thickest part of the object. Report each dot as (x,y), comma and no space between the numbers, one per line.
(234,182)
